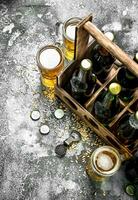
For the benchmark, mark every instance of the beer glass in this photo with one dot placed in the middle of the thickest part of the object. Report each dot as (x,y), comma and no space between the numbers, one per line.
(50,63)
(69,29)
(103,163)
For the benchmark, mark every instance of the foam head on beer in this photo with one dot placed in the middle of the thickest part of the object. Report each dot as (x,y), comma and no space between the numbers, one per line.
(106,160)
(70,31)
(50,58)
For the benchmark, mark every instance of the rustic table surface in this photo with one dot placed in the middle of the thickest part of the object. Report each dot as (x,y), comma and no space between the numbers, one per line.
(29,168)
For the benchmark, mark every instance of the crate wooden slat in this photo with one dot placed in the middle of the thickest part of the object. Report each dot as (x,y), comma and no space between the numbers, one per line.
(84,111)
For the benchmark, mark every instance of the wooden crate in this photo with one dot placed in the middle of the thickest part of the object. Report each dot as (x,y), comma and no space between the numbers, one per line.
(82,50)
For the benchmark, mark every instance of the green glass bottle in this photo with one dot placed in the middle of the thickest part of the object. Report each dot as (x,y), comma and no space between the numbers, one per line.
(107,105)
(127,131)
(131,173)
(102,59)
(83,81)
(128,81)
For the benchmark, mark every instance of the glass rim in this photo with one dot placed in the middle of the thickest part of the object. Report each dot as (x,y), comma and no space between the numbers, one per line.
(50,46)
(115,168)
(65,26)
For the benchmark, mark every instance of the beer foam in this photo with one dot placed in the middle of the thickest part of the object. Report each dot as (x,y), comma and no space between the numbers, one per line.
(104,162)
(70,31)
(50,58)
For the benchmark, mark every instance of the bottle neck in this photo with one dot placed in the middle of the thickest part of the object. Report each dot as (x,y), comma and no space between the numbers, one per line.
(82,75)
(109,97)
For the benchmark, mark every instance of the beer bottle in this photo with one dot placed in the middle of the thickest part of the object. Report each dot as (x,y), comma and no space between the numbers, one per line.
(83,81)
(127,130)
(128,81)
(131,173)
(102,60)
(107,105)
(131,169)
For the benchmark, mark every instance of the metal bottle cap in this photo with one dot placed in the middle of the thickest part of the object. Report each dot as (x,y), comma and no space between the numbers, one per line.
(136,56)
(35,115)
(115,88)
(86,64)
(136,115)
(44,129)
(59,113)
(60,150)
(110,35)
(130,190)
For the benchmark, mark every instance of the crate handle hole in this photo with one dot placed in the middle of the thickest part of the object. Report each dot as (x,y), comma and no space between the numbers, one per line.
(71,103)
(91,121)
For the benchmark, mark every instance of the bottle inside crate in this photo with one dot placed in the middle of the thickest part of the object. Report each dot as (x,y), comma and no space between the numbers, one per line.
(127,129)
(128,81)
(102,60)
(82,84)
(107,104)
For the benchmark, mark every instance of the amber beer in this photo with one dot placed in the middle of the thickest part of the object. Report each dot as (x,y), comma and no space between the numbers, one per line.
(69,29)
(50,62)
(103,163)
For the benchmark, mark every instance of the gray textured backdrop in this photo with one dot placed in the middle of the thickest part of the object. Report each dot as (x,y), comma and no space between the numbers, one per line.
(29,168)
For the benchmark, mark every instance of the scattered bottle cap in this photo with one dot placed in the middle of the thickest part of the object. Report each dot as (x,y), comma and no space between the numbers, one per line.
(60,150)
(44,129)
(130,190)
(59,113)
(35,115)
(136,114)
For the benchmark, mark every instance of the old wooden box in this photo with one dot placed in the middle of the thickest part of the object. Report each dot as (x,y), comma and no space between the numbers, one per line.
(84,29)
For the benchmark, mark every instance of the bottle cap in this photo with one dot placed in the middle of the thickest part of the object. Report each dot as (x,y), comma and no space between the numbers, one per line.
(86,64)
(35,115)
(60,150)
(136,115)
(115,88)
(44,129)
(59,113)
(130,190)
(136,57)
(110,35)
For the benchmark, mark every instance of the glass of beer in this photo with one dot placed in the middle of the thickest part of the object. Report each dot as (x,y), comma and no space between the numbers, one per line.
(50,63)
(69,31)
(103,163)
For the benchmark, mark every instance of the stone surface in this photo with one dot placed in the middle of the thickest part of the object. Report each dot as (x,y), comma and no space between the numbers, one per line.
(29,168)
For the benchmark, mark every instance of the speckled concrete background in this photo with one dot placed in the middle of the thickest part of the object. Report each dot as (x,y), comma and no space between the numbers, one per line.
(29,168)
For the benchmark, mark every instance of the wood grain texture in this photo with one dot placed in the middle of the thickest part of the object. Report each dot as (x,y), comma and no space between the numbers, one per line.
(111,47)
(81,39)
